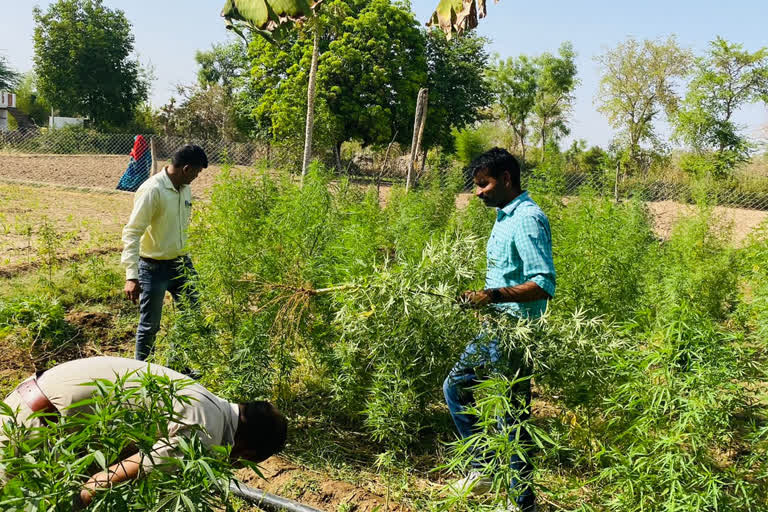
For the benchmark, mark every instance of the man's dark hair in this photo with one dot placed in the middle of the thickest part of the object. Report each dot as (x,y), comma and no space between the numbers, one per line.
(262,431)
(190,155)
(496,162)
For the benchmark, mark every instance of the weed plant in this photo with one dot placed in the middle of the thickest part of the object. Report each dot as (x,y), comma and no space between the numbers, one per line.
(652,389)
(649,366)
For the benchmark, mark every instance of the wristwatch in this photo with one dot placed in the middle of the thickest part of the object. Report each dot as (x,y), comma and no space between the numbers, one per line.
(496,295)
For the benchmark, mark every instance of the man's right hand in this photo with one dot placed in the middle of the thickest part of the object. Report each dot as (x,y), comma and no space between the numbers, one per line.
(132,290)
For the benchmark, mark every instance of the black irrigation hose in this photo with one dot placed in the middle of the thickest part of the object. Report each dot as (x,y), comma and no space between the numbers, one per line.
(267,501)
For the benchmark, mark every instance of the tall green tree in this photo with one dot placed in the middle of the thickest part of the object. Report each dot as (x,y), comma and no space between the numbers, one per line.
(372,73)
(555,82)
(84,63)
(458,90)
(8,77)
(514,84)
(372,63)
(725,80)
(637,84)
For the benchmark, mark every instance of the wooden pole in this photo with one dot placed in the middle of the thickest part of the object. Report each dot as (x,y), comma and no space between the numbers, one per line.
(152,151)
(418,132)
(311,89)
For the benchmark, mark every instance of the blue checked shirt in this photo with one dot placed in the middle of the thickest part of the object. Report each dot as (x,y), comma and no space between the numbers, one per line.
(520,250)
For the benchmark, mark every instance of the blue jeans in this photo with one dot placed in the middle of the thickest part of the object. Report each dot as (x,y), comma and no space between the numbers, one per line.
(155,278)
(481,357)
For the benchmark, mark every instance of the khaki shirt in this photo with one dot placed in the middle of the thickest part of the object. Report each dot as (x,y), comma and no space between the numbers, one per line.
(158,224)
(63,385)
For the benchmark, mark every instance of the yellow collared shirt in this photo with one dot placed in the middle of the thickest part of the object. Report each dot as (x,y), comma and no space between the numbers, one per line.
(158,224)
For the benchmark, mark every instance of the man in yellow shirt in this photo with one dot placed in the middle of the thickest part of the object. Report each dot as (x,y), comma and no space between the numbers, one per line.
(155,243)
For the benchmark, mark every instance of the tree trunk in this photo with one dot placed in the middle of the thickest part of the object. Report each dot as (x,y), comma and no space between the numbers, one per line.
(311,94)
(418,132)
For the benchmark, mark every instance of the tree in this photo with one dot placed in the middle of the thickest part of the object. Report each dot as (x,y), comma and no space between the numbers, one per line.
(372,63)
(728,78)
(514,83)
(83,61)
(266,17)
(8,77)
(638,82)
(205,113)
(457,86)
(555,81)
(223,64)
(29,101)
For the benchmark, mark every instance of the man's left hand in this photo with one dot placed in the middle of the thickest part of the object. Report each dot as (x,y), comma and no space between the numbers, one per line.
(475,299)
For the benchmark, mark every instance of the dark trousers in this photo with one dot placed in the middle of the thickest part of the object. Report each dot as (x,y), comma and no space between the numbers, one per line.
(155,278)
(481,357)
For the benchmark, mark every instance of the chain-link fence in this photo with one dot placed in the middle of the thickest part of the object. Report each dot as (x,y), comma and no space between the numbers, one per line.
(88,158)
(89,142)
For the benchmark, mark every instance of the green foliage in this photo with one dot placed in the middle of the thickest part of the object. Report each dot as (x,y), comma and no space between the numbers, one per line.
(383,48)
(602,256)
(204,112)
(457,88)
(46,466)
(649,367)
(28,100)
(8,77)
(555,82)
(223,64)
(728,78)
(72,140)
(411,302)
(266,15)
(470,143)
(638,82)
(378,42)
(40,318)
(76,40)
(513,81)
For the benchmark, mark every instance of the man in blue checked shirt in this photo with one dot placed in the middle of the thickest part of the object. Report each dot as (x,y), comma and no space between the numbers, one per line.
(519,280)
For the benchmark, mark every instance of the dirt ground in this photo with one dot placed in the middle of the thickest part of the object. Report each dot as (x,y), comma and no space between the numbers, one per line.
(314,489)
(93,171)
(742,221)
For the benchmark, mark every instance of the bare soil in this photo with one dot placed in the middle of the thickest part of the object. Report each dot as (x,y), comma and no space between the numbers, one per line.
(742,221)
(314,489)
(93,171)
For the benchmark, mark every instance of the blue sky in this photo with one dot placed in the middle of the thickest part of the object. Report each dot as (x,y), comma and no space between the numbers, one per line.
(168,32)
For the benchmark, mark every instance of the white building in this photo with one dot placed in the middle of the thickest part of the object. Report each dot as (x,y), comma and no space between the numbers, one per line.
(7,100)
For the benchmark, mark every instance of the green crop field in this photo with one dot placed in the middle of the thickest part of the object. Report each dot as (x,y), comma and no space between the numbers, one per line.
(650,383)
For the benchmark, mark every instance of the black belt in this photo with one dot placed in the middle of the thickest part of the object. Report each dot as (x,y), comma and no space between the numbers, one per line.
(153,260)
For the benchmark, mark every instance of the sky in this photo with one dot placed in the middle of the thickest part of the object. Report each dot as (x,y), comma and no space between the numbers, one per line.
(168,33)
